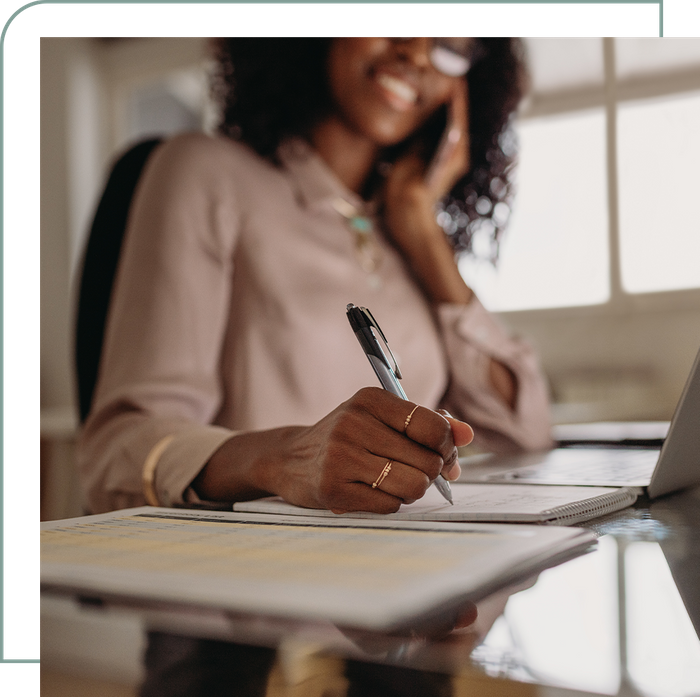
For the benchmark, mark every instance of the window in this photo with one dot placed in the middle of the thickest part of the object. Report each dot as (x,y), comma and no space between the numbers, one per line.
(556,247)
(607,178)
(658,153)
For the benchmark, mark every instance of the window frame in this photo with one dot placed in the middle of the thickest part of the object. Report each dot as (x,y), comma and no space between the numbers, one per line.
(612,92)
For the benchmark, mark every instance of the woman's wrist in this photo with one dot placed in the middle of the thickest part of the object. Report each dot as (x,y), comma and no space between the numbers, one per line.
(436,270)
(426,249)
(244,467)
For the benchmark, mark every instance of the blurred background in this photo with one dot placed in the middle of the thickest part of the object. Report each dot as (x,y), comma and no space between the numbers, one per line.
(600,263)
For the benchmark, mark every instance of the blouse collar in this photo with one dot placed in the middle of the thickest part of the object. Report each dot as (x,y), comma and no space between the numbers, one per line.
(316,184)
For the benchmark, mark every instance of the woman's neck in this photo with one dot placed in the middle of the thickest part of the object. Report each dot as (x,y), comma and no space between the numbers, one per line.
(350,155)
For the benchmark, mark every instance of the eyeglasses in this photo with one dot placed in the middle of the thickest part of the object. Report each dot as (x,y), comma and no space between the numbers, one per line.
(453,56)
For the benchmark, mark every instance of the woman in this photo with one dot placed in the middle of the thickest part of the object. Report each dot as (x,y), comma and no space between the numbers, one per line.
(227,324)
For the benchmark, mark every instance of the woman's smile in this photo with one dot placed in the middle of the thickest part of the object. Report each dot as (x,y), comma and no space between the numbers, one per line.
(384,90)
(399,93)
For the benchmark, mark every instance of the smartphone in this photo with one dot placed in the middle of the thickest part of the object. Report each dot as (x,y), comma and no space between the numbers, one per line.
(446,145)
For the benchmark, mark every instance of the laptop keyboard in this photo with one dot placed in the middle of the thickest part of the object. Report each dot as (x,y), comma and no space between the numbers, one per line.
(589,466)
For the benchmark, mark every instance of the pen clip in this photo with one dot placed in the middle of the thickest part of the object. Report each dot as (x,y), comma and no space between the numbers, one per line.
(373,323)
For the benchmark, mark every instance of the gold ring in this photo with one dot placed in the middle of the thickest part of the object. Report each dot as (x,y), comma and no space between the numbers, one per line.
(408,418)
(383,474)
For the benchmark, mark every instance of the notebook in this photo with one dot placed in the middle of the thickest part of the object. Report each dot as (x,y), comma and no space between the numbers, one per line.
(199,570)
(676,466)
(515,503)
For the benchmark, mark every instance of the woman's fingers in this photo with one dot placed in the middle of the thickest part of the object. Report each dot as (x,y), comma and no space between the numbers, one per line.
(382,487)
(460,107)
(373,453)
(463,434)
(398,479)
(425,426)
(416,436)
(459,110)
(451,160)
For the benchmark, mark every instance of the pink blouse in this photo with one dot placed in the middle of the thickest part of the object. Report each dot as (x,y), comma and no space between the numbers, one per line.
(228,314)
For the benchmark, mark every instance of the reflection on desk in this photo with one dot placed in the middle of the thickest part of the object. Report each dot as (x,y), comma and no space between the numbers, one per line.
(623,620)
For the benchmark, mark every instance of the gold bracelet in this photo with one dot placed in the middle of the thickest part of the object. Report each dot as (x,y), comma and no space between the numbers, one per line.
(149,470)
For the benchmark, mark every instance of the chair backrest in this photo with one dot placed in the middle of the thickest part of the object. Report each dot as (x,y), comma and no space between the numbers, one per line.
(100,264)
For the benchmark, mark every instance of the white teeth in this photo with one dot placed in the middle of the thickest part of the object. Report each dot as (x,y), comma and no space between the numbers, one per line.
(398,87)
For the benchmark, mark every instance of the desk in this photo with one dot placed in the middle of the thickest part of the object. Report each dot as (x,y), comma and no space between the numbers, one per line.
(623,620)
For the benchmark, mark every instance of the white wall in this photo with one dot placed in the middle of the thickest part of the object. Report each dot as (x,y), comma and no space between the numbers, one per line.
(56,383)
(83,126)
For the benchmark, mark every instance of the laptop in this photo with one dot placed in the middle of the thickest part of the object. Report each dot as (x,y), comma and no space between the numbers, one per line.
(654,471)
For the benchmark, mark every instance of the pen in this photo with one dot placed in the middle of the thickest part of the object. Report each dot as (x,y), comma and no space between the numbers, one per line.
(366,329)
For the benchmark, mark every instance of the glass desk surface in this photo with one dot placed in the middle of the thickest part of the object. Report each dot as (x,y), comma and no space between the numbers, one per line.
(621,620)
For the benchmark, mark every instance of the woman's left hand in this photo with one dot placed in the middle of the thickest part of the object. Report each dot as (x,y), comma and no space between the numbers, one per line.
(412,181)
(451,160)
(412,189)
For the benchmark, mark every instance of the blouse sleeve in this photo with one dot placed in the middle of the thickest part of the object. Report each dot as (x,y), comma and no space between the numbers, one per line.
(159,371)
(473,337)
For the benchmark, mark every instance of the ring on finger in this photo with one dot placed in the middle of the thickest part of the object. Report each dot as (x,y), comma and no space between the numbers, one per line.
(409,417)
(383,474)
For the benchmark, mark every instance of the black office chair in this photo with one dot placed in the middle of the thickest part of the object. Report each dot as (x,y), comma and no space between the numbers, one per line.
(100,264)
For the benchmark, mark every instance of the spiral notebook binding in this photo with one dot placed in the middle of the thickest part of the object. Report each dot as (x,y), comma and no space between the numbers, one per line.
(585,510)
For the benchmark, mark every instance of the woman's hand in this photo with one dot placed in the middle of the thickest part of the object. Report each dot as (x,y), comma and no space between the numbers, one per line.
(451,161)
(414,182)
(410,196)
(333,464)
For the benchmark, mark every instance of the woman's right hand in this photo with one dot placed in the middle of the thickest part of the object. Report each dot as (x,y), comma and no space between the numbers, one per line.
(333,464)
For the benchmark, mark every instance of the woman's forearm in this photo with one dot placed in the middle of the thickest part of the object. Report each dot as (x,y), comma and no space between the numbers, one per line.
(433,265)
(431,259)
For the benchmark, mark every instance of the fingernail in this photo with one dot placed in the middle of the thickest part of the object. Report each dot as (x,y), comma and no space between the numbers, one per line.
(451,459)
(454,472)
(451,469)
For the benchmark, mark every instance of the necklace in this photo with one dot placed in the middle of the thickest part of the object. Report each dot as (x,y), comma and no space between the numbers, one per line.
(367,249)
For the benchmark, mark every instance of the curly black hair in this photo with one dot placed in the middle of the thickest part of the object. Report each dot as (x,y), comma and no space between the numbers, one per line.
(269,89)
